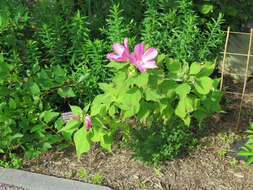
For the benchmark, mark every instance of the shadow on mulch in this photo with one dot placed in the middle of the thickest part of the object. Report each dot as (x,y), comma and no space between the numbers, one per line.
(207,168)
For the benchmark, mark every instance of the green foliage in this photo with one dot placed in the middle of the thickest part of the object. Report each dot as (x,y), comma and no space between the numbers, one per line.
(53,55)
(248,147)
(158,143)
(11,161)
(235,12)
(178,32)
(26,119)
(185,94)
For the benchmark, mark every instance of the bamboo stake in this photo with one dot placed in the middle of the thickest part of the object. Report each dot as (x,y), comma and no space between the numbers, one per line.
(224,58)
(245,79)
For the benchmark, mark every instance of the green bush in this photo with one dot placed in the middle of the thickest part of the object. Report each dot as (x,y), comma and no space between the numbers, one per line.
(158,143)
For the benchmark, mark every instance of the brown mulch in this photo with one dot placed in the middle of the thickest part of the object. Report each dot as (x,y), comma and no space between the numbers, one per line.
(209,167)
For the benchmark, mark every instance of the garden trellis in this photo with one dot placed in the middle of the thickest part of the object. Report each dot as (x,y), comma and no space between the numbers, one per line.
(245,74)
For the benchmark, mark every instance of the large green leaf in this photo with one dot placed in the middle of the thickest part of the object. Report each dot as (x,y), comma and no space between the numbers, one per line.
(82,141)
(48,116)
(70,128)
(182,90)
(106,142)
(195,68)
(77,111)
(203,85)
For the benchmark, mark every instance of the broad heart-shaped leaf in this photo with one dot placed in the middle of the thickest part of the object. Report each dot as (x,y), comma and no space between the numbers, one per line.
(48,116)
(203,85)
(152,94)
(182,90)
(105,86)
(185,106)
(100,101)
(142,79)
(206,69)
(195,68)
(106,142)
(66,92)
(82,141)
(129,102)
(77,111)
(97,133)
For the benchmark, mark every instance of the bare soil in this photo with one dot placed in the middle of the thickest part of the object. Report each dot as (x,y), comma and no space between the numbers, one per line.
(209,167)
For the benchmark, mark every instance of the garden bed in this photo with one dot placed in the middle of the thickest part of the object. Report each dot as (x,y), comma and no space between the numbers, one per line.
(208,167)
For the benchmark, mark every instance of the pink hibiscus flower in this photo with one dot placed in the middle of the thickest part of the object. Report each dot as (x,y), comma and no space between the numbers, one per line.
(143,60)
(121,53)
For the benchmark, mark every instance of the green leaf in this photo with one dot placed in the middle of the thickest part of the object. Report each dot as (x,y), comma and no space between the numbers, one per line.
(83,77)
(185,106)
(99,102)
(106,142)
(206,8)
(58,71)
(174,66)
(70,128)
(245,153)
(77,111)
(182,90)
(66,92)
(82,141)
(112,111)
(207,69)
(141,80)
(12,103)
(203,85)
(105,86)
(98,133)
(152,94)
(116,65)
(33,87)
(195,68)
(249,161)
(48,116)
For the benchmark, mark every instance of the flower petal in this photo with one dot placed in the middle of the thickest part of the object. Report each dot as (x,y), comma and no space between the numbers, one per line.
(126,43)
(139,50)
(141,67)
(115,57)
(88,122)
(150,65)
(150,54)
(118,49)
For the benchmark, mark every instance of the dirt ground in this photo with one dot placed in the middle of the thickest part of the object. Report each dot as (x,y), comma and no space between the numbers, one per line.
(209,167)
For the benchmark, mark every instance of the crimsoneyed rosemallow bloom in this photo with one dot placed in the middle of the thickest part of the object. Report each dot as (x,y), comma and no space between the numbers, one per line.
(143,60)
(74,117)
(87,120)
(121,53)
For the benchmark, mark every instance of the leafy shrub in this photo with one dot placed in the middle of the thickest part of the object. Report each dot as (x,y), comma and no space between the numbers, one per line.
(186,94)
(158,143)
